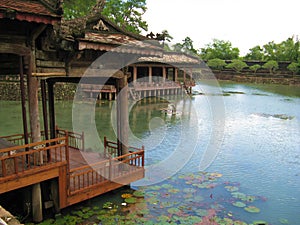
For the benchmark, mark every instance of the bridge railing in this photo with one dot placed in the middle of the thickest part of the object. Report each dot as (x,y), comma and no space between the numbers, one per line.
(86,177)
(19,159)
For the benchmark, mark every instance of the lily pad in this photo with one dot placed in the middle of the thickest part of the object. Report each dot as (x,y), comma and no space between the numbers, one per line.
(283,221)
(239,204)
(138,194)
(260,222)
(130,200)
(231,188)
(238,195)
(252,209)
(173,210)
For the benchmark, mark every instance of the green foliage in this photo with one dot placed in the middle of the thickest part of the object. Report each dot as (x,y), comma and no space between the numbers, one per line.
(287,50)
(216,63)
(77,8)
(127,14)
(237,65)
(219,49)
(186,46)
(293,67)
(256,53)
(271,65)
(254,67)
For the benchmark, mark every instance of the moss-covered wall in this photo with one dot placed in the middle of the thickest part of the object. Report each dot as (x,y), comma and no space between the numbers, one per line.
(10,91)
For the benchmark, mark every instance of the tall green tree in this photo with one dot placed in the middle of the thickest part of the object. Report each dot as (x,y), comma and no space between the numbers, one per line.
(127,14)
(287,50)
(256,53)
(78,8)
(219,49)
(186,46)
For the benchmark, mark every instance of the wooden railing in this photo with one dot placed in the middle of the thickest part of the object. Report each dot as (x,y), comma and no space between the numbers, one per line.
(16,139)
(19,159)
(76,140)
(111,149)
(86,177)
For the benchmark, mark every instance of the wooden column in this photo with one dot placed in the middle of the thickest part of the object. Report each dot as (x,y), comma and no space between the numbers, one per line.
(150,74)
(134,74)
(164,73)
(122,115)
(23,101)
(175,74)
(51,109)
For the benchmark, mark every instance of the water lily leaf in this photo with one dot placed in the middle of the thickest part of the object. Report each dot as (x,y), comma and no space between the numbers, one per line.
(189,190)
(260,222)
(283,221)
(167,186)
(239,204)
(126,195)
(174,190)
(252,209)
(173,210)
(231,188)
(130,200)
(238,195)
(138,194)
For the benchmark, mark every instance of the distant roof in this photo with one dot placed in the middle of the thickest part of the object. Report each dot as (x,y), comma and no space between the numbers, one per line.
(120,43)
(40,11)
(174,58)
(96,32)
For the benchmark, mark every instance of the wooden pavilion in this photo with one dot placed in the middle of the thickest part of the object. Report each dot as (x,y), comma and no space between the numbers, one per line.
(40,48)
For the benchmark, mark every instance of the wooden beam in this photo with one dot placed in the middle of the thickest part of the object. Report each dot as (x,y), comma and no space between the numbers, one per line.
(14,49)
(49,74)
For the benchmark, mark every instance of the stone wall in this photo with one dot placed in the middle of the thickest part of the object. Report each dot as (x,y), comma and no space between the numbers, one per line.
(10,91)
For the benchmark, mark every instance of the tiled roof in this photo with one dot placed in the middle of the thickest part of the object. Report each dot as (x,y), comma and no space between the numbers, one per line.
(29,10)
(173,58)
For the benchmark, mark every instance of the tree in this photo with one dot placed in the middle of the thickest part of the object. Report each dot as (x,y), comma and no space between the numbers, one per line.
(186,46)
(78,8)
(287,50)
(256,53)
(127,14)
(293,67)
(219,49)
(271,65)
(237,65)
(216,64)
(254,67)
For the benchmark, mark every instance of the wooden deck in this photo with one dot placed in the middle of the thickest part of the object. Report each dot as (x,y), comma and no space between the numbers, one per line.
(81,175)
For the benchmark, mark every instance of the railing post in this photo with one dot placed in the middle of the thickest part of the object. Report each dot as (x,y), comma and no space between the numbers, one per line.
(143,156)
(82,141)
(105,146)
(110,169)
(67,151)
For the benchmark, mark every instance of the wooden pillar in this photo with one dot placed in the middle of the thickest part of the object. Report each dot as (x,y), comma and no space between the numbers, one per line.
(51,109)
(23,101)
(164,73)
(150,74)
(184,76)
(44,105)
(122,115)
(33,87)
(175,74)
(134,74)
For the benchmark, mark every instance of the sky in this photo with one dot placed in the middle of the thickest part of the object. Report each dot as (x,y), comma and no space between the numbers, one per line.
(245,23)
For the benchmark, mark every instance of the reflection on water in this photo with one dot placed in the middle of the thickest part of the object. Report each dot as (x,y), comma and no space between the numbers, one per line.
(259,154)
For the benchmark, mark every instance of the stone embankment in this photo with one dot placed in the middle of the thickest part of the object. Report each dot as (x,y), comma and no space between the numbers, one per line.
(6,218)
(10,91)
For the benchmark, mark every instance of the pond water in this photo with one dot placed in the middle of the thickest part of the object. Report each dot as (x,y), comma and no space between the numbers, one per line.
(229,155)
